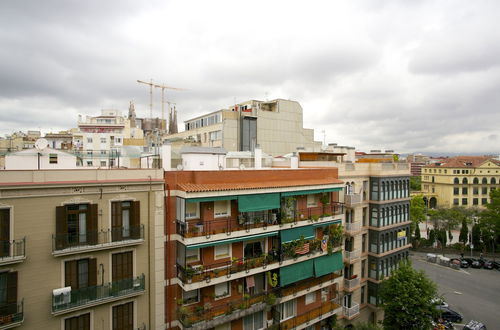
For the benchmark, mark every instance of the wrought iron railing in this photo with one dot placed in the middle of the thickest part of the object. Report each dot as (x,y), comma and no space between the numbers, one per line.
(14,249)
(11,313)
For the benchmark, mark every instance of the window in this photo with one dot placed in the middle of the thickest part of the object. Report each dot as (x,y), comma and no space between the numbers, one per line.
(222,290)
(52,158)
(254,321)
(475,201)
(493,181)
(123,316)
(192,255)
(89,140)
(4,232)
(125,220)
(103,152)
(103,163)
(464,181)
(475,190)
(89,152)
(214,136)
(80,322)
(76,224)
(192,210)
(312,200)
(89,163)
(455,201)
(8,294)
(222,251)
(310,298)
(191,297)
(363,290)
(103,140)
(456,191)
(464,191)
(484,190)
(484,201)
(484,181)
(456,181)
(464,201)
(475,181)
(253,250)
(222,208)
(287,310)
(363,266)
(80,274)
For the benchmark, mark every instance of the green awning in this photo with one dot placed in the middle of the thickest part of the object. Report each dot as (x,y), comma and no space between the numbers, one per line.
(327,223)
(328,264)
(288,235)
(259,202)
(308,192)
(231,240)
(211,199)
(296,272)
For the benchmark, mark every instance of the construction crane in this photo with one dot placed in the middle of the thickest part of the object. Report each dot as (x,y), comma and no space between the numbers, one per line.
(163,87)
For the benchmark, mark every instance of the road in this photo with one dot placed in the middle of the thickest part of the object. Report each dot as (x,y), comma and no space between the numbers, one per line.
(475,293)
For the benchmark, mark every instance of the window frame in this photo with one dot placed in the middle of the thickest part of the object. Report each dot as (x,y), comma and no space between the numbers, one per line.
(223,255)
(228,209)
(223,296)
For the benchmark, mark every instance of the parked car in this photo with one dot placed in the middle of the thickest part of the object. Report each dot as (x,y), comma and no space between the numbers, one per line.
(477,263)
(439,302)
(464,263)
(496,265)
(474,325)
(449,314)
(488,264)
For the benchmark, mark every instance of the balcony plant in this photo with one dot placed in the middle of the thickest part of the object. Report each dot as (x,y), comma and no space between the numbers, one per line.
(189,272)
(324,198)
(270,299)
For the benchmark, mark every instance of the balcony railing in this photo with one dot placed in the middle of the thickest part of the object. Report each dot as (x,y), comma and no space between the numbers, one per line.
(252,220)
(296,287)
(100,294)
(352,283)
(12,251)
(205,273)
(352,227)
(325,310)
(352,311)
(11,315)
(68,243)
(350,256)
(351,200)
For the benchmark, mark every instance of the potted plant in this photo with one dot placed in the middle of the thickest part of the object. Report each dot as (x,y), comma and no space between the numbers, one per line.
(270,299)
(189,273)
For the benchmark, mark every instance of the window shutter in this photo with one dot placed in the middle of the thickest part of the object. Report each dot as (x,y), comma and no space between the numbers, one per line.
(135,220)
(12,288)
(61,228)
(70,274)
(92,225)
(93,272)
(116,221)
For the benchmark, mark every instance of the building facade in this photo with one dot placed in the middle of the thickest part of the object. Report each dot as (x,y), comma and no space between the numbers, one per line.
(254,249)
(464,181)
(82,249)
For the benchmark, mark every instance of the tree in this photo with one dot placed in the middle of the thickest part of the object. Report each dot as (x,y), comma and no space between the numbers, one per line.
(489,220)
(464,232)
(415,183)
(407,299)
(476,236)
(417,233)
(417,211)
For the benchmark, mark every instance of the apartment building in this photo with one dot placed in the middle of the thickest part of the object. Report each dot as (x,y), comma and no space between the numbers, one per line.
(82,249)
(464,181)
(253,249)
(277,126)
(377,223)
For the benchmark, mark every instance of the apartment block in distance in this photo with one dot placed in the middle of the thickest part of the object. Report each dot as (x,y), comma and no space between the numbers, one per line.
(460,181)
(377,223)
(254,249)
(82,249)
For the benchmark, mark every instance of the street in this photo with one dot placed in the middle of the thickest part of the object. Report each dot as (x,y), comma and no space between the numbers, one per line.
(472,292)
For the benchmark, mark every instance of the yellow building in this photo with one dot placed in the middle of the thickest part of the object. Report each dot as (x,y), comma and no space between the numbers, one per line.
(460,181)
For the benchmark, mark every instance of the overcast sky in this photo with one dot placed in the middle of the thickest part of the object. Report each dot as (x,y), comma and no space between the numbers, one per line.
(408,75)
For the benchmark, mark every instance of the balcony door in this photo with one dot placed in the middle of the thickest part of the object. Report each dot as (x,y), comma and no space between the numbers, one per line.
(76,225)
(4,232)
(80,322)
(123,316)
(125,220)
(8,293)
(122,270)
(80,274)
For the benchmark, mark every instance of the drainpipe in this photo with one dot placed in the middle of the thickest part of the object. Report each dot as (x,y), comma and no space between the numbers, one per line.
(167,269)
(149,249)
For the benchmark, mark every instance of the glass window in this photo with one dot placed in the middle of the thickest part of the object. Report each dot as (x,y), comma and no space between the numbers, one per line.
(192,210)
(475,190)
(287,310)
(312,200)
(475,201)
(191,297)
(192,255)
(254,321)
(456,190)
(222,290)
(222,251)
(222,208)
(103,140)
(310,298)
(484,190)
(464,191)
(484,201)
(464,201)
(52,158)
(253,249)
(89,140)
(455,201)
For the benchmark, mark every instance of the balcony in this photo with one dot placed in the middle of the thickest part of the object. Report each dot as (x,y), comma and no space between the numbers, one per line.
(97,295)
(352,228)
(351,284)
(351,200)
(306,285)
(351,256)
(326,310)
(11,315)
(351,312)
(12,252)
(206,317)
(72,243)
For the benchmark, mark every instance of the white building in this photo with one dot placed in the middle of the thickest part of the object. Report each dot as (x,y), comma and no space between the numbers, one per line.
(34,159)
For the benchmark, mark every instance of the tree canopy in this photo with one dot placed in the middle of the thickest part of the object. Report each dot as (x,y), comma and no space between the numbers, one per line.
(489,220)
(407,299)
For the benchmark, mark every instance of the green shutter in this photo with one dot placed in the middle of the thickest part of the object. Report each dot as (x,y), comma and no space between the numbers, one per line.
(328,264)
(230,240)
(210,199)
(288,235)
(260,202)
(308,192)
(296,272)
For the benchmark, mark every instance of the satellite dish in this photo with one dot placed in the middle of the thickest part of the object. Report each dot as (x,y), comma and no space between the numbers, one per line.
(41,144)
(179,167)
(242,166)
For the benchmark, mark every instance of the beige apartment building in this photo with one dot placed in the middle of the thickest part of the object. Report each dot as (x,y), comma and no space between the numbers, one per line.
(464,181)
(277,126)
(82,249)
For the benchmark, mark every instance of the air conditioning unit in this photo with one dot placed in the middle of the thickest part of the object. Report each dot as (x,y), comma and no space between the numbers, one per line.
(62,296)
